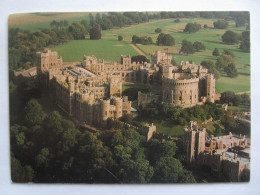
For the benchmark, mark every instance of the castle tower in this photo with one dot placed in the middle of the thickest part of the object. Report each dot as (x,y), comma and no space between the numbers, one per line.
(105,105)
(115,85)
(47,60)
(160,57)
(118,106)
(193,141)
(210,84)
(167,71)
(126,60)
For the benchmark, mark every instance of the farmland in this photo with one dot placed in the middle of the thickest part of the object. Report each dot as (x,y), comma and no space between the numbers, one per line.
(38,21)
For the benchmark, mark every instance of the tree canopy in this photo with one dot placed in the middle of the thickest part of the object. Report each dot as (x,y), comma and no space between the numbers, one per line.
(192,27)
(187,47)
(230,37)
(165,40)
(34,114)
(95,33)
(215,52)
(211,68)
(220,24)
(198,46)
(158,30)
(231,70)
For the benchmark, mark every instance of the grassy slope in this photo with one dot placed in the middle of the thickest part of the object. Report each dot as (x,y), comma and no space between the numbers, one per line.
(210,37)
(107,49)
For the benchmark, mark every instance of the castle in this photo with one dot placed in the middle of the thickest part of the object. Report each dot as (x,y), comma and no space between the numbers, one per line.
(227,155)
(91,90)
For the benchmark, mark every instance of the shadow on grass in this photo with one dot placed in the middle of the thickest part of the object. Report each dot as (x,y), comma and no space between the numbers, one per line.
(216,42)
(244,74)
(168,124)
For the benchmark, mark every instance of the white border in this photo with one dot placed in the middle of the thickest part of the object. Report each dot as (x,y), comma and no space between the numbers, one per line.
(12,6)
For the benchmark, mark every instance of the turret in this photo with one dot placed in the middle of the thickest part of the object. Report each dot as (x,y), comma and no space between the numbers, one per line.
(118,106)
(105,105)
(210,88)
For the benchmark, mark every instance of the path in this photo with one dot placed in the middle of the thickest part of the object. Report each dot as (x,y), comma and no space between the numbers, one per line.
(244,92)
(135,48)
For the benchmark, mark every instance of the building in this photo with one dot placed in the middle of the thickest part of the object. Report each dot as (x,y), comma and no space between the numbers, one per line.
(228,155)
(83,88)
(187,85)
(81,93)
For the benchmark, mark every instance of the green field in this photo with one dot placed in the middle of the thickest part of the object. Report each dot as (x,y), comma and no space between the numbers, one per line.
(107,49)
(210,37)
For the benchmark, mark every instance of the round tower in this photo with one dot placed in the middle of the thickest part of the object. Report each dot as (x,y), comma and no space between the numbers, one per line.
(105,105)
(118,106)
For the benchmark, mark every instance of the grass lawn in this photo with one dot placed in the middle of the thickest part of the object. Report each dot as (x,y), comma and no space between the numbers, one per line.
(165,127)
(136,86)
(107,49)
(210,126)
(239,108)
(168,128)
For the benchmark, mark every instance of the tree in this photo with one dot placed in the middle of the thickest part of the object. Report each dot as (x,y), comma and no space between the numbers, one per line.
(95,33)
(165,40)
(223,61)
(34,113)
(220,24)
(140,59)
(170,170)
(42,159)
(240,21)
(230,37)
(228,52)
(192,27)
(227,97)
(231,70)
(19,173)
(120,38)
(158,30)
(143,40)
(77,30)
(211,68)
(198,46)
(187,47)
(245,44)
(215,52)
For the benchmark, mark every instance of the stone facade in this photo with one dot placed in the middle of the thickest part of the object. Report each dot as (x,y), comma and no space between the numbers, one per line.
(225,155)
(80,93)
(80,87)
(146,98)
(187,85)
